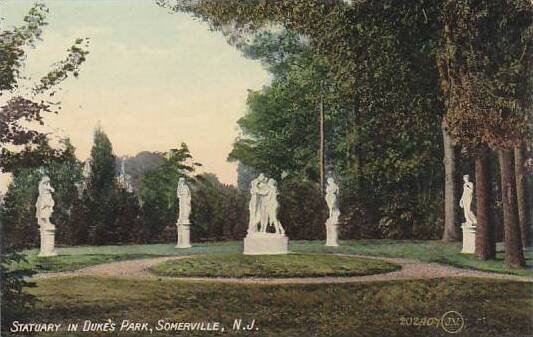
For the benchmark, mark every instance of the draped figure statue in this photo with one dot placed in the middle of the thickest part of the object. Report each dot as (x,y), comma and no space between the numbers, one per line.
(45,203)
(184,196)
(332,189)
(44,207)
(466,201)
(184,224)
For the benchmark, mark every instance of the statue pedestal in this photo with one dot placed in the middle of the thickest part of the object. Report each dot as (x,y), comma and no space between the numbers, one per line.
(48,235)
(332,235)
(266,244)
(184,235)
(469,239)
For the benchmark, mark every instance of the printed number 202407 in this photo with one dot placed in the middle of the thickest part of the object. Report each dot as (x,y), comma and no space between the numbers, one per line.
(420,321)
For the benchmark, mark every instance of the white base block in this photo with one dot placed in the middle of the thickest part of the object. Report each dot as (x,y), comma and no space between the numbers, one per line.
(184,236)
(469,239)
(331,236)
(266,244)
(48,242)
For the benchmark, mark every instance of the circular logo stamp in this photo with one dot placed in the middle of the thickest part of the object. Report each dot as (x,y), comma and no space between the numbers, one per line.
(452,322)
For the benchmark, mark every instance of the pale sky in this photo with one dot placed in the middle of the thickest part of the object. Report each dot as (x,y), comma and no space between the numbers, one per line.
(153,79)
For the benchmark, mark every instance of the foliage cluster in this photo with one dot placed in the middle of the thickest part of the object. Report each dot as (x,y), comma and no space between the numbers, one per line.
(372,66)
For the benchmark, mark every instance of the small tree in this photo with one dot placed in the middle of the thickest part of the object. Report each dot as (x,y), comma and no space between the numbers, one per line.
(98,196)
(219,211)
(19,225)
(127,225)
(65,176)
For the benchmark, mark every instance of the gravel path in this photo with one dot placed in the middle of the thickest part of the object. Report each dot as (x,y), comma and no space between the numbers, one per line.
(410,270)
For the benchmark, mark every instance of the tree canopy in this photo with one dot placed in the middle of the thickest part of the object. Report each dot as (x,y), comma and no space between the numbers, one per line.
(373,67)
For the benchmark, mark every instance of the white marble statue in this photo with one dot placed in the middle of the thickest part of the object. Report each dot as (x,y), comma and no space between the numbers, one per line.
(466,201)
(43,211)
(263,209)
(469,226)
(332,190)
(331,197)
(183,224)
(273,207)
(45,203)
(184,197)
(259,191)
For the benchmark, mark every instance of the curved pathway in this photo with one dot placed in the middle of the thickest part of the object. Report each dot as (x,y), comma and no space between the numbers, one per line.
(410,270)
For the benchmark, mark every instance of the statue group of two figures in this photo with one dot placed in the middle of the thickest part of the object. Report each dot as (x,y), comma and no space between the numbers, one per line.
(264,206)
(265,233)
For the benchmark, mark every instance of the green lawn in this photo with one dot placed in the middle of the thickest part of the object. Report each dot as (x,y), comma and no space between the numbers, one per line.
(489,307)
(274,266)
(73,262)
(428,251)
(72,258)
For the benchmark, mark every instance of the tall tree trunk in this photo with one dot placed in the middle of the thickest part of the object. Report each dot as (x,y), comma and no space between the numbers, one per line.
(321,165)
(485,245)
(521,195)
(450,214)
(514,255)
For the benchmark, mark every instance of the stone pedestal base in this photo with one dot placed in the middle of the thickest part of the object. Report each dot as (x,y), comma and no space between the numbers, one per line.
(332,236)
(48,235)
(266,244)
(469,239)
(184,236)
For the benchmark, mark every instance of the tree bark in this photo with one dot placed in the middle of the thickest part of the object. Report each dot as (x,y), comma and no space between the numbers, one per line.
(450,214)
(514,256)
(523,218)
(485,246)
(321,165)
